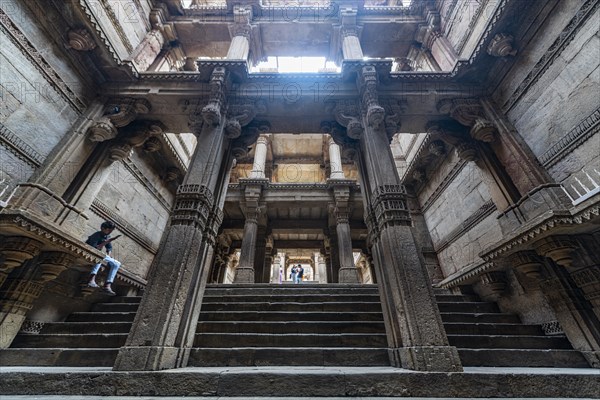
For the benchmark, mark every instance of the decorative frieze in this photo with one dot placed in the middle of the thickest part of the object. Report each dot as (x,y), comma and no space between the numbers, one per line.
(552,328)
(19,148)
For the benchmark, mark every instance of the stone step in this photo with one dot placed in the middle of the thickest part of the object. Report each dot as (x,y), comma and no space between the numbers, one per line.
(290,298)
(556,358)
(127,299)
(452,298)
(278,356)
(291,316)
(59,357)
(90,340)
(115,307)
(289,340)
(508,342)
(468,307)
(492,329)
(86,327)
(261,289)
(290,306)
(284,327)
(480,317)
(104,317)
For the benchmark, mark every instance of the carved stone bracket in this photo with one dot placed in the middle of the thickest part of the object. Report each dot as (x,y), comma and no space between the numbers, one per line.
(101,130)
(560,249)
(501,46)
(242,17)
(528,263)
(53,263)
(389,207)
(14,251)
(469,112)
(394,108)
(494,281)
(119,151)
(240,114)
(367,84)
(193,205)
(122,111)
(250,134)
(81,40)
(466,150)
(347,114)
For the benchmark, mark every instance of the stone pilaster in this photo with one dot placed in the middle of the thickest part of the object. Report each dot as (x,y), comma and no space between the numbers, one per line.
(14,251)
(276,266)
(321,268)
(416,336)
(335,160)
(165,325)
(435,42)
(260,157)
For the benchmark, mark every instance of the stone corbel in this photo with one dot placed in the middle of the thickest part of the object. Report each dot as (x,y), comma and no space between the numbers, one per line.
(561,249)
(467,151)
(347,144)
(469,112)
(81,40)
(367,83)
(53,263)
(15,250)
(173,174)
(123,111)
(211,113)
(493,282)
(241,114)
(119,151)
(394,108)
(250,134)
(528,263)
(347,114)
(501,46)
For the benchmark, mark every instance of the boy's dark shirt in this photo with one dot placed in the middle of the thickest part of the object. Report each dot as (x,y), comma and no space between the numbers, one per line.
(95,239)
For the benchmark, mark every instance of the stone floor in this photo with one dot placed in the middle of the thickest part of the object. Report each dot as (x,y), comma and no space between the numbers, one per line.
(252,398)
(298,382)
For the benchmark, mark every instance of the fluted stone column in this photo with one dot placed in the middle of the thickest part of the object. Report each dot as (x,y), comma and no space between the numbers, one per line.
(239,48)
(164,329)
(416,337)
(260,158)
(335,160)
(351,49)
(321,269)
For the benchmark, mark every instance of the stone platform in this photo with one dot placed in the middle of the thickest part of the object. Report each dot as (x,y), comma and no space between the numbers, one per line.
(475,382)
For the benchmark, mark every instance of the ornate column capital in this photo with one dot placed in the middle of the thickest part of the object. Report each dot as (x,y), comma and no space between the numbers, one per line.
(119,151)
(212,112)
(526,262)
(367,82)
(469,112)
(467,151)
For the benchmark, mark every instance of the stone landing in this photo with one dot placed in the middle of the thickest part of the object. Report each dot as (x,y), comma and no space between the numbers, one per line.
(302,382)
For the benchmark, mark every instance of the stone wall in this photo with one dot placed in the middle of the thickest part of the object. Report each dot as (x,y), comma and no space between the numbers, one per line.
(551,95)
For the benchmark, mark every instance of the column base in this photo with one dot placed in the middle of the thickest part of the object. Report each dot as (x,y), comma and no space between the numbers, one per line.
(244,275)
(592,357)
(348,275)
(147,358)
(426,358)
(9,328)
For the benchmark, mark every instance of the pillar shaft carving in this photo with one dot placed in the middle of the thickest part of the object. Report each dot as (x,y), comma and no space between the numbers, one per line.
(367,85)
(211,113)
(416,336)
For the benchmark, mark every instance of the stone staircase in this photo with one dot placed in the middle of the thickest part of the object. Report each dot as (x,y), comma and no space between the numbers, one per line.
(297,325)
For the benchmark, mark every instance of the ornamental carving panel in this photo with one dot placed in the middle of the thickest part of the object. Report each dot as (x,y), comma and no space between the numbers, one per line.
(193,204)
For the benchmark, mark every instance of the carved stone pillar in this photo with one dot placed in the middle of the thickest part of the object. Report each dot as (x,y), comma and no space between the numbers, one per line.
(261,271)
(416,336)
(245,272)
(14,251)
(275,273)
(165,325)
(351,49)
(435,42)
(240,32)
(268,259)
(322,268)
(341,193)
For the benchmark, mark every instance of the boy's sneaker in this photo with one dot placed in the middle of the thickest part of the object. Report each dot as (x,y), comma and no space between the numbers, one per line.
(93,284)
(108,291)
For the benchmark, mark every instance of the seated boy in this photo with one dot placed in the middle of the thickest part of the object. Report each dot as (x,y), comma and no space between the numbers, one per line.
(98,240)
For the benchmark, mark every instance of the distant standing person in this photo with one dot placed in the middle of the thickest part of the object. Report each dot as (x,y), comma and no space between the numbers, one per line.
(299,273)
(98,240)
(293,274)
